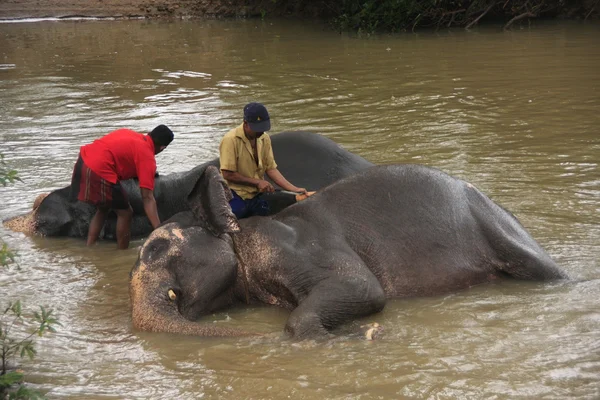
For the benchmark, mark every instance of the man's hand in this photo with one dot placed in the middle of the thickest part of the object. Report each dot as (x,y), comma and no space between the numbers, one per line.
(265,187)
(150,207)
(300,190)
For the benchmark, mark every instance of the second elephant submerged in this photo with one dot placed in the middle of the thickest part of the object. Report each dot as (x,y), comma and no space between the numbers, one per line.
(312,160)
(389,231)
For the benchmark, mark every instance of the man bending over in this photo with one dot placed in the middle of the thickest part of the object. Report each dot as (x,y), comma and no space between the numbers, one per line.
(104,163)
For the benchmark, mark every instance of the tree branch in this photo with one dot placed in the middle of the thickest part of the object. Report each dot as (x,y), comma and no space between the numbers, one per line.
(416,22)
(518,17)
(478,18)
(452,15)
(592,9)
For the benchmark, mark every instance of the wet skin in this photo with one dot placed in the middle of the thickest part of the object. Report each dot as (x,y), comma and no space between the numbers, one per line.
(337,256)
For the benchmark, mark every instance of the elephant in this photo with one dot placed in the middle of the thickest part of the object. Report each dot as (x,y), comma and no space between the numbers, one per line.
(308,159)
(391,231)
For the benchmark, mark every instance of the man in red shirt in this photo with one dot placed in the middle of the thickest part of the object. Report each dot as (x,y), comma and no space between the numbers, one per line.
(102,164)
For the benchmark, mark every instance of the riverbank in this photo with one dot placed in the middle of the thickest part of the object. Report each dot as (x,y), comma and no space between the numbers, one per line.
(346,16)
(18,9)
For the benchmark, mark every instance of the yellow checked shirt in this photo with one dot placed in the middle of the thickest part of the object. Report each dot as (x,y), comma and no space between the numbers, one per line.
(236,155)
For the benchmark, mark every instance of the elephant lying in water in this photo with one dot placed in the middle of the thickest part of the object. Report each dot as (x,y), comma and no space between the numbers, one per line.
(389,231)
(310,160)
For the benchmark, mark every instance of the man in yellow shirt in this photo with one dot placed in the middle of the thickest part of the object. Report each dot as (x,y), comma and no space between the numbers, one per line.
(246,155)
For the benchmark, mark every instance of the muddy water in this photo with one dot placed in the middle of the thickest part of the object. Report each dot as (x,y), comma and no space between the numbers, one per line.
(515,113)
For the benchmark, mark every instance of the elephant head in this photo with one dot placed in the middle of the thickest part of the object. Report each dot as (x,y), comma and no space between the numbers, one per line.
(59,213)
(171,283)
(53,214)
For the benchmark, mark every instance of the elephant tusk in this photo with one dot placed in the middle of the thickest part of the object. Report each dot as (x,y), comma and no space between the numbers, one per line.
(172,294)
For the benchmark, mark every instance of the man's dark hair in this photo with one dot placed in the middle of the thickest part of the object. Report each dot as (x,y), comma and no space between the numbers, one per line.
(161,136)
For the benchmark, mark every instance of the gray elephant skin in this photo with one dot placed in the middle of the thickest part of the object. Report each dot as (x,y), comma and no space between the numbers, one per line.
(306,159)
(386,232)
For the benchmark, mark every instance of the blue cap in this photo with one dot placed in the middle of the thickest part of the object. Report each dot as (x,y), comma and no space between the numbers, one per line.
(257,117)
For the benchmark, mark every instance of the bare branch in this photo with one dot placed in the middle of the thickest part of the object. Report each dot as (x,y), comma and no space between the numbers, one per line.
(454,12)
(452,15)
(592,9)
(416,22)
(518,17)
(478,18)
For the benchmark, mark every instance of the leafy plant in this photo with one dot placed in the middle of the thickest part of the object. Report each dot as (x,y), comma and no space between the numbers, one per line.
(7,175)
(7,256)
(12,318)
(10,347)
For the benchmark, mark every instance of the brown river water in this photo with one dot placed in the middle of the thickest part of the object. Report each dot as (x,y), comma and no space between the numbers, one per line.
(515,113)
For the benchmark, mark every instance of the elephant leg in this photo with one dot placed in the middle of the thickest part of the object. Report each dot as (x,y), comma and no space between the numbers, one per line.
(520,255)
(333,302)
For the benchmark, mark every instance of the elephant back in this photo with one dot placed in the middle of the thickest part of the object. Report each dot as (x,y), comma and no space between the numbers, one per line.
(314,161)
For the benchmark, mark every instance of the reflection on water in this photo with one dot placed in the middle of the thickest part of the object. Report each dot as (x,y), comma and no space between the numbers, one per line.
(513,112)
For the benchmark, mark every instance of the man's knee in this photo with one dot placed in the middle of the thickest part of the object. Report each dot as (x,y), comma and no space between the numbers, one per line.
(238,206)
(259,206)
(126,213)
(262,208)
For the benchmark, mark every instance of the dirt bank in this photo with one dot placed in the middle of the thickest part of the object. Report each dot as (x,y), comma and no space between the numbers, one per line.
(351,19)
(12,9)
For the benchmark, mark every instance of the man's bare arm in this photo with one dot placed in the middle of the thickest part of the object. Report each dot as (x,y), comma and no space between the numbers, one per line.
(150,207)
(279,179)
(236,177)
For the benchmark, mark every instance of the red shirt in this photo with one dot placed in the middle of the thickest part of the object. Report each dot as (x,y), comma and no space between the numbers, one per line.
(122,154)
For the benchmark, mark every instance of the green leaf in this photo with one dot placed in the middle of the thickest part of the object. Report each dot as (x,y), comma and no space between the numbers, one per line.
(10,378)
(7,175)
(46,320)
(24,393)
(28,350)
(16,308)
(7,256)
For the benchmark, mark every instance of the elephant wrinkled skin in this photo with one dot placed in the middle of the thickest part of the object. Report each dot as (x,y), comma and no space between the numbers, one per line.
(311,160)
(389,231)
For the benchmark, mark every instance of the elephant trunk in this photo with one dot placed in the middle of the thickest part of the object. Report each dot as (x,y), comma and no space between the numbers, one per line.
(26,223)
(146,319)
(153,312)
(22,223)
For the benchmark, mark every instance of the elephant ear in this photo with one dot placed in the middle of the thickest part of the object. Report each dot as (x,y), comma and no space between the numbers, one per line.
(209,202)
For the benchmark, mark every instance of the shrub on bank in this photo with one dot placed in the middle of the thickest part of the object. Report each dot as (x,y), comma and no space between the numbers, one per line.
(369,16)
(406,15)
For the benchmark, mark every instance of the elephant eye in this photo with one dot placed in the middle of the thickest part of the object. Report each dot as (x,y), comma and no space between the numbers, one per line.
(156,248)
(172,294)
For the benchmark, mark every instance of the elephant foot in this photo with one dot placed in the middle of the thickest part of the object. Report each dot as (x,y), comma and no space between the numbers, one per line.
(371,331)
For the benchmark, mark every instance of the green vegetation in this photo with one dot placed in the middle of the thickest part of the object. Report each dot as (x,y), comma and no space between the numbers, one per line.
(10,319)
(7,175)
(371,16)
(13,344)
